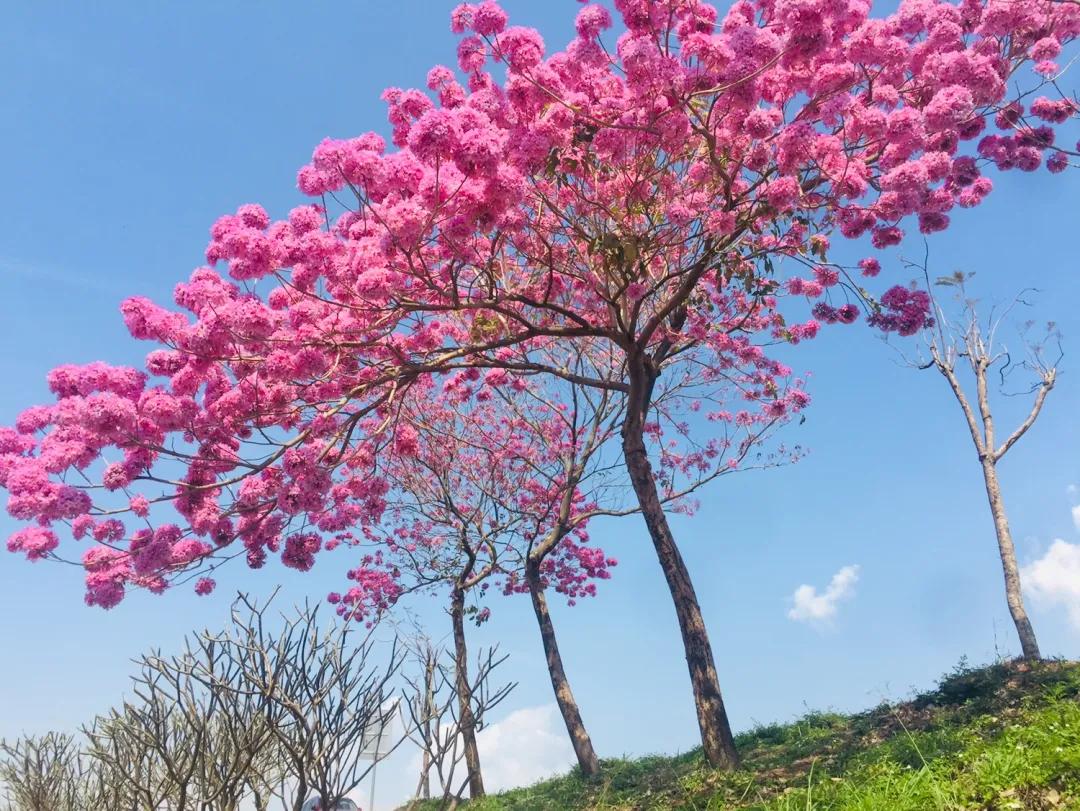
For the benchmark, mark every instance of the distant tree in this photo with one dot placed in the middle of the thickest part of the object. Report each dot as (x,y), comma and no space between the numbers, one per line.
(472,487)
(968,350)
(431,711)
(440,534)
(43,773)
(321,696)
(126,760)
(266,716)
(217,739)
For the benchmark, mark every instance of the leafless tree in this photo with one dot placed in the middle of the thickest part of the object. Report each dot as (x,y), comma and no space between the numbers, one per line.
(323,699)
(134,770)
(55,773)
(970,353)
(101,787)
(419,703)
(178,743)
(262,713)
(431,711)
(215,743)
(42,773)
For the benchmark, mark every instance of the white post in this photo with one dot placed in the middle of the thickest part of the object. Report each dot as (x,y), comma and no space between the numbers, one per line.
(371,797)
(384,723)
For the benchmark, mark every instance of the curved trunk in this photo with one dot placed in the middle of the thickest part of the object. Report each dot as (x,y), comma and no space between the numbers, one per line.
(564,696)
(464,693)
(717,741)
(1013,594)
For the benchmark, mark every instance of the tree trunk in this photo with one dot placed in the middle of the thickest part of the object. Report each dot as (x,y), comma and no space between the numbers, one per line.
(716,739)
(429,708)
(301,791)
(1013,594)
(464,694)
(564,696)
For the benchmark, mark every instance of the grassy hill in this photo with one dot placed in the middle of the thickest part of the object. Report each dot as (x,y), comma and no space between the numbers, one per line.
(1001,737)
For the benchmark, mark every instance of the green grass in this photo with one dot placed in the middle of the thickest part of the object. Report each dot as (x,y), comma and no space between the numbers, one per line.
(995,738)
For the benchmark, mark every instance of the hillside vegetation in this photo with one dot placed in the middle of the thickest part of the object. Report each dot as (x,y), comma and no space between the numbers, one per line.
(1000,737)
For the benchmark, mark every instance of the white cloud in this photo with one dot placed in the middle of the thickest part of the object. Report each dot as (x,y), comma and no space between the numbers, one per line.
(1054,579)
(1073,490)
(1076,516)
(528,745)
(809,606)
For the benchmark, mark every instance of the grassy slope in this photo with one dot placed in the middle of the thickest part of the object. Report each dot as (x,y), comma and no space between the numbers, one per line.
(1002,737)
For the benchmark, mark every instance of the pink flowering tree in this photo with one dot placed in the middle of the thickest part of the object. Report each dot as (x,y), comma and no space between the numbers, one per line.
(472,478)
(441,528)
(634,200)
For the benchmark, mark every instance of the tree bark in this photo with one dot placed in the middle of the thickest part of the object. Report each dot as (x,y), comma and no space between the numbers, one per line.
(564,696)
(429,707)
(1029,646)
(717,741)
(464,693)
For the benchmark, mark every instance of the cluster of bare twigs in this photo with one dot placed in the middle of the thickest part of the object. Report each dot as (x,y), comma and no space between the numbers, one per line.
(264,714)
(431,713)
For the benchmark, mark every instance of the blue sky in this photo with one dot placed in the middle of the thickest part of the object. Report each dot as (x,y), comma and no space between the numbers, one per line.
(131,127)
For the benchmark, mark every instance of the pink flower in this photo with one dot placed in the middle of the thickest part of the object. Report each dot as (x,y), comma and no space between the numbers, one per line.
(461,18)
(188,550)
(1045,48)
(140,506)
(760,122)
(883,237)
(488,19)
(950,107)
(35,542)
(1055,111)
(204,585)
(826,276)
(903,311)
(472,54)
(1058,162)
(435,135)
(253,216)
(300,551)
(591,20)
(721,223)
(406,441)
(1046,68)
(782,193)
(848,313)
(931,222)
(522,48)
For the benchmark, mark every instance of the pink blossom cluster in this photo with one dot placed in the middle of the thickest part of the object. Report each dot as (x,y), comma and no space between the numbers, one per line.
(903,311)
(377,589)
(606,203)
(573,570)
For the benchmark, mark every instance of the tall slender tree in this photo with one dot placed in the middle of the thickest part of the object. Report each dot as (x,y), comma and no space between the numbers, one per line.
(969,352)
(469,479)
